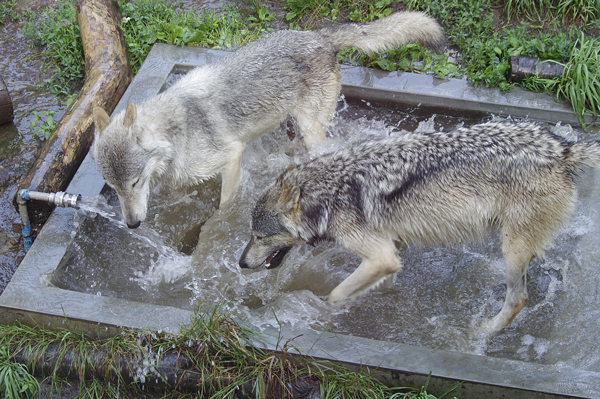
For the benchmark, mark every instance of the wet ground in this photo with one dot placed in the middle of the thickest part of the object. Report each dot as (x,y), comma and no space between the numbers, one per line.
(22,72)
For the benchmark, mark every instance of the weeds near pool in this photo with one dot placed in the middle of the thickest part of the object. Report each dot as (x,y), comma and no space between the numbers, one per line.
(46,121)
(481,51)
(15,380)
(220,351)
(263,16)
(43,122)
(8,10)
(566,10)
(310,11)
(414,393)
(57,30)
(145,22)
(580,82)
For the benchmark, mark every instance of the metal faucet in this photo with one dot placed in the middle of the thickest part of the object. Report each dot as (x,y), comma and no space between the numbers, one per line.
(60,198)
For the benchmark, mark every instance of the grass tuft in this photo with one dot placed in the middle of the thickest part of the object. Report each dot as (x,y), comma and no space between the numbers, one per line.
(214,347)
(579,83)
(15,380)
(57,31)
(8,10)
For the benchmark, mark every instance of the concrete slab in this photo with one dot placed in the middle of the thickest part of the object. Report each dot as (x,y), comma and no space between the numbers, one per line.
(31,299)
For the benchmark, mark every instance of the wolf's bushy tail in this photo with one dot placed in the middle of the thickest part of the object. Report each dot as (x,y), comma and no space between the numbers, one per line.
(585,154)
(386,33)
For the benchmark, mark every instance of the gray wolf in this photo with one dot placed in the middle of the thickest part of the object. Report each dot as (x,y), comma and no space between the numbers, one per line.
(426,189)
(201,125)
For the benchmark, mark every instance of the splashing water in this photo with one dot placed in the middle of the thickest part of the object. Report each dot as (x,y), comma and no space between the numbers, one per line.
(439,299)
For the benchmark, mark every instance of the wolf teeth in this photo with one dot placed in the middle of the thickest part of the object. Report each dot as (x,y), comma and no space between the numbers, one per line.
(270,258)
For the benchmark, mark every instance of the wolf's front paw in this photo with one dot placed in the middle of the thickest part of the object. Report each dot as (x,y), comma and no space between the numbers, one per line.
(336,295)
(490,327)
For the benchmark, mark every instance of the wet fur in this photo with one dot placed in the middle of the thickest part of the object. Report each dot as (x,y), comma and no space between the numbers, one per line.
(437,188)
(200,125)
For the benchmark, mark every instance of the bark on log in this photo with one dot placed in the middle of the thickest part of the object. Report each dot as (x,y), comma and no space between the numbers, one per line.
(108,74)
(6,107)
(522,67)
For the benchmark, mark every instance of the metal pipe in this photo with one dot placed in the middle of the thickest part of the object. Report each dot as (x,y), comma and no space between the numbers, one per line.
(61,199)
(58,199)
(26,232)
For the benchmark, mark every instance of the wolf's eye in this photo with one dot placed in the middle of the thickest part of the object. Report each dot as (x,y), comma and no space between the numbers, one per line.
(136,182)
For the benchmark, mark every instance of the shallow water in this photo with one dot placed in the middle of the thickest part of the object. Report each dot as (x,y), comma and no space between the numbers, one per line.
(438,300)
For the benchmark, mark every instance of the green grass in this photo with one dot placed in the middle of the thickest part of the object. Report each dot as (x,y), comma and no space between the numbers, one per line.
(57,31)
(565,10)
(483,49)
(144,22)
(580,82)
(15,380)
(219,349)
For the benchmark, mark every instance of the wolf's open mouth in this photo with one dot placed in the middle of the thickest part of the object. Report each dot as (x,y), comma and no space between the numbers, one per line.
(276,258)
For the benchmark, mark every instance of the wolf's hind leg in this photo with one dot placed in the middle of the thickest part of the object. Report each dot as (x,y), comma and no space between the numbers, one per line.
(316,108)
(518,253)
(380,263)
(311,129)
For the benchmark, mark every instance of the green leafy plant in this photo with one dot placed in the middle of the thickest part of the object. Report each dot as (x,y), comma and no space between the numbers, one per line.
(380,9)
(15,380)
(57,30)
(469,25)
(412,57)
(8,10)
(146,22)
(46,122)
(263,16)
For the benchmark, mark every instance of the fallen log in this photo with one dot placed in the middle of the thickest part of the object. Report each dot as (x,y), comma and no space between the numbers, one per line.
(172,371)
(522,67)
(6,106)
(108,74)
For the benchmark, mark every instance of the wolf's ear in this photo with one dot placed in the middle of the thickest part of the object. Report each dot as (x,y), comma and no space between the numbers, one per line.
(130,115)
(290,200)
(101,119)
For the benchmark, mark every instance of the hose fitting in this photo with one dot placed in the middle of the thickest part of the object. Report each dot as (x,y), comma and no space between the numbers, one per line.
(60,198)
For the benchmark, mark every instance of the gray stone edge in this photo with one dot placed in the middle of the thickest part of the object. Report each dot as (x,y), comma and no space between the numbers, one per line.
(28,295)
